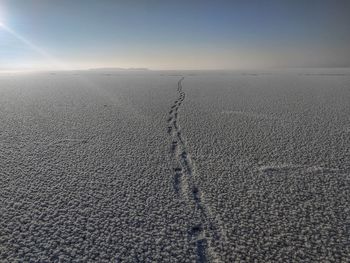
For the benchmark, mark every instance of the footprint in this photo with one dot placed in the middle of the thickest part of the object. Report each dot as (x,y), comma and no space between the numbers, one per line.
(173,146)
(179,136)
(177,182)
(202,246)
(195,193)
(196,230)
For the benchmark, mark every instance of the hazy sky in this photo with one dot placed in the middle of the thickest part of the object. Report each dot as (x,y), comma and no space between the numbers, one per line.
(174,34)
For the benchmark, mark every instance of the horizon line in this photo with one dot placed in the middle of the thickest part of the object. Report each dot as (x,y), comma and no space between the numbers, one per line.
(142,69)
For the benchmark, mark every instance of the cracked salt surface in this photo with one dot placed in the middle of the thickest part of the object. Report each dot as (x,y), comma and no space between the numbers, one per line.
(180,167)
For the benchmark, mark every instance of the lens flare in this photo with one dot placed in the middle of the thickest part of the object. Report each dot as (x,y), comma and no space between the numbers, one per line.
(52,60)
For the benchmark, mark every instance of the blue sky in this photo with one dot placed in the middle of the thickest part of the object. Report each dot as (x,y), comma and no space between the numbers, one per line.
(234,34)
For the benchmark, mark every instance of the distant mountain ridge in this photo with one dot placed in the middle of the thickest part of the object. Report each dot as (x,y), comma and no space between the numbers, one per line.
(119,69)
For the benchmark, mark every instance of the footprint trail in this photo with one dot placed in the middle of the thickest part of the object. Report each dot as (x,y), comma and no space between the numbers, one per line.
(204,232)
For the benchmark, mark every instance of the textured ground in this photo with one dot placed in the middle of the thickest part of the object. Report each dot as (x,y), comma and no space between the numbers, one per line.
(141,167)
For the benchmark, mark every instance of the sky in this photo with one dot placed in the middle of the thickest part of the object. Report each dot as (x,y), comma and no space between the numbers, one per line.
(155,34)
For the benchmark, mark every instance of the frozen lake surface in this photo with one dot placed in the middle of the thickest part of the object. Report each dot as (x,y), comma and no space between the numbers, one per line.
(175,166)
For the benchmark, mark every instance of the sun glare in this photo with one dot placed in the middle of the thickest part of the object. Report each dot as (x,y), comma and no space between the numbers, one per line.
(3,17)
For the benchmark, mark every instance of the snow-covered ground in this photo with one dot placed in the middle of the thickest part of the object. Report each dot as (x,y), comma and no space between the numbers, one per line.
(154,167)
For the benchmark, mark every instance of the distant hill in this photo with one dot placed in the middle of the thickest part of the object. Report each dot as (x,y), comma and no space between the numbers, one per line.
(119,69)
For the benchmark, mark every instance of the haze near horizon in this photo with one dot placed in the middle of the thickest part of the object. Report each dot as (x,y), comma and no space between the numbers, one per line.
(168,35)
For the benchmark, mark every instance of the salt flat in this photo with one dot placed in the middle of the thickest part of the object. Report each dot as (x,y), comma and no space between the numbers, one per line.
(175,166)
